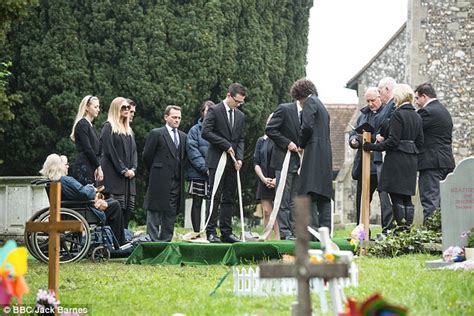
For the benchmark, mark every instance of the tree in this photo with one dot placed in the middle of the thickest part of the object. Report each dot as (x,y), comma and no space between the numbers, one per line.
(154,52)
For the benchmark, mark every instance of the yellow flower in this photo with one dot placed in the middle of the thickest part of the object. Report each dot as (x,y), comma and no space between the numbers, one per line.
(329,257)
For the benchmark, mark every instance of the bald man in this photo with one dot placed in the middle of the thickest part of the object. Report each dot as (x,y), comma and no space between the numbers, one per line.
(372,114)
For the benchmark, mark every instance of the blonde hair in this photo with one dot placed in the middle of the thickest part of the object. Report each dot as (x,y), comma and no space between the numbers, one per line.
(54,167)
(119,125)
(403,93)
(81,112)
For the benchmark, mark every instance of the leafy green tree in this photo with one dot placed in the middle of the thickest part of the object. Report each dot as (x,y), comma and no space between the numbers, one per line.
(154,52)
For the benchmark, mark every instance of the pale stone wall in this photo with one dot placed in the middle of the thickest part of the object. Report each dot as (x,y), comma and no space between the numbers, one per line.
(440,51)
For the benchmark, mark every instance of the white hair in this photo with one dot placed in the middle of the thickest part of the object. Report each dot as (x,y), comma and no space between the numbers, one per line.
(387,82)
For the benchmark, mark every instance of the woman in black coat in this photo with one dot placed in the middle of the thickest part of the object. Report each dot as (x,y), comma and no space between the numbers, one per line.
(119,157)
(86,168)
(398,176)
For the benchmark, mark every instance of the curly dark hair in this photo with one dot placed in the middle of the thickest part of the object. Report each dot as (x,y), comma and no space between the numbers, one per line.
(302,88)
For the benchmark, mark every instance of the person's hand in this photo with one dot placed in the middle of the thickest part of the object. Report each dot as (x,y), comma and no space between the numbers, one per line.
(129,174)
(100,204)
(292,147)
(273,183)
(238,165)
(369,146)
(99,174)
(379,138)
(355,143)
(230,151)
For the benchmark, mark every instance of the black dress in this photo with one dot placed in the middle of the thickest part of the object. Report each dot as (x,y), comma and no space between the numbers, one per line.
(261,157)
(88,152)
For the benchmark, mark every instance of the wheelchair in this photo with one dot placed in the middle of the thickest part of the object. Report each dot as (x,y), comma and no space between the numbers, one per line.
(96,240)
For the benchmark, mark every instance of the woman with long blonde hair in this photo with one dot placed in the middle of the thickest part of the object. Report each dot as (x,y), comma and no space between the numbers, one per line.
(86,168)
(119,157)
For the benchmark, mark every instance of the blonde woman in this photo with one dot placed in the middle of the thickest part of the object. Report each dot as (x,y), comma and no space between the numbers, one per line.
(398,176)
(119,157)
(86,168)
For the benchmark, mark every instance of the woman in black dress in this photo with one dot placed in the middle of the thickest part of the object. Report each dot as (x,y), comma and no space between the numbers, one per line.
(398,176)
(86,168)
(266,175)
(119,157)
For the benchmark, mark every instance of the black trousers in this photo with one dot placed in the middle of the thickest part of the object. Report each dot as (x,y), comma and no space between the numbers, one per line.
(428,183)
(114,218)
(320,212)
(223,200)
(127,203)
(159,223)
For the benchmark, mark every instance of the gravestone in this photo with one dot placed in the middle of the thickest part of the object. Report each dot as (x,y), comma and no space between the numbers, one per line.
(457,203)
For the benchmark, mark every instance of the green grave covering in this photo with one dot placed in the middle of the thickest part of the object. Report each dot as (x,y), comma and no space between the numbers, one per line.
(185,253)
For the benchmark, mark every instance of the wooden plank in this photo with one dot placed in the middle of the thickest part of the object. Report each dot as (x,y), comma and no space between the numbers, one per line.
(61,226)
(323,271)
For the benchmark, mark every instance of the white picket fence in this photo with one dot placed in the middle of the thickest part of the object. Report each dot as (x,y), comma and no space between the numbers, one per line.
(247,282)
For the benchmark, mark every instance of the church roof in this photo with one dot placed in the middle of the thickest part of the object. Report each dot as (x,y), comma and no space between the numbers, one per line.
(352,83)
(341,115)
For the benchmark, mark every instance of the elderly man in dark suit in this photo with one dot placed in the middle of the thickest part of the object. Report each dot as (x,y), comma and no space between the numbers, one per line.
(435,159)
(284,129)
(316,167)
(223,128)
(164,155)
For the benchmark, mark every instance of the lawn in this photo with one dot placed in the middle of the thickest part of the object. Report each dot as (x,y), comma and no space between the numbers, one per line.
(115,288)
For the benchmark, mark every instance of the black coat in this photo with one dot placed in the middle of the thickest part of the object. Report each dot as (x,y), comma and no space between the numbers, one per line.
(284,128)
(88,152)
(374,119)
(217,131)
(436,151)
(400,164)
(163,163)
(196,150)
(316,170)
(119,154)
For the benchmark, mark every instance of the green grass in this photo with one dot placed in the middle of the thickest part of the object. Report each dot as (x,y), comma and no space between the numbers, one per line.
(114,288)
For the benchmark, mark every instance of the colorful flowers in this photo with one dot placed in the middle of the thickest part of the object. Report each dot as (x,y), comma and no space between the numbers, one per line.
(358,235)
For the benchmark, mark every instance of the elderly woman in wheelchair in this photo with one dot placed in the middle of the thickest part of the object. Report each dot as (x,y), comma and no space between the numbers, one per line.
(86,204)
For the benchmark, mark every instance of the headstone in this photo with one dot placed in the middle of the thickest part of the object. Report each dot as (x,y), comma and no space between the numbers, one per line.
(457,203)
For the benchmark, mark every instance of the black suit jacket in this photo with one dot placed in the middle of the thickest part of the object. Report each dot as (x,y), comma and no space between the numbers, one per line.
(217,131)
(438,131)
(284,128)
(164,163)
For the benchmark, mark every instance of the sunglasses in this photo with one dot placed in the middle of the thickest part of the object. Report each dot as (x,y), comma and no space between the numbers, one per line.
(125,108)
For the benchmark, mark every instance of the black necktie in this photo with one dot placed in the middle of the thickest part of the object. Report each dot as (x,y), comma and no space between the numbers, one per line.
(175,138)
(231,118)
(300,116)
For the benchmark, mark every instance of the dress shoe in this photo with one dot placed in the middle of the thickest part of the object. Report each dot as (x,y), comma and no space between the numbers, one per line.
(289,237)
(213,239)
(230,239)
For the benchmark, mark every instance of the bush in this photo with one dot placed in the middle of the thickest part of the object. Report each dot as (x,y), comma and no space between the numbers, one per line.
(409,241)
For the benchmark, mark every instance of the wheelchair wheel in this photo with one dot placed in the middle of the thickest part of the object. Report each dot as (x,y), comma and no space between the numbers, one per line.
(29,235)
(73,246)
(100,254)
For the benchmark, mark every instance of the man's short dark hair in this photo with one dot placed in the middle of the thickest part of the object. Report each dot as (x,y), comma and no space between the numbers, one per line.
(236,88)
(426,89)
(302,88)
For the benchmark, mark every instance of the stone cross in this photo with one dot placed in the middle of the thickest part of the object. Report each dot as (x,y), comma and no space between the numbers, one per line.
(54,227)
(302,270)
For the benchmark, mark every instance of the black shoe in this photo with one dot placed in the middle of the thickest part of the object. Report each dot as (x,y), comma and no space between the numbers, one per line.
(230,239)
(289,237)
(213,239)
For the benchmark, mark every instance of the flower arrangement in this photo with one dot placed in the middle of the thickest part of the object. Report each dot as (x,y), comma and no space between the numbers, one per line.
(46,302)
(358,236)
(469,235)
(453,254)
(13,267)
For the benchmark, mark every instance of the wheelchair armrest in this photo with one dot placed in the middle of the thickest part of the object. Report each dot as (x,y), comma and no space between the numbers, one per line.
(40,181)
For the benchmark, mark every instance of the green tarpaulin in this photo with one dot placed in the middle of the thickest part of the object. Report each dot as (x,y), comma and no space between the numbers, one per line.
(183,253)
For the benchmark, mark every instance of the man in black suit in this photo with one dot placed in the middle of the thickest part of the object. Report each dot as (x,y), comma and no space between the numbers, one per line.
(435,159)
(223,128)
(164,155)
(385,88)
(284,129)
